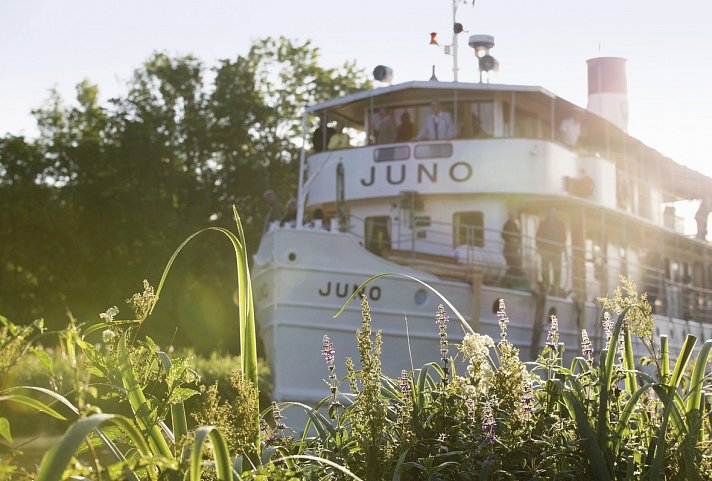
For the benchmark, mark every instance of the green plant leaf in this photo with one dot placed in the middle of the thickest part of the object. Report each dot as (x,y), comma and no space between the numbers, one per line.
(55,461)
(221,455)
(5,429)
(180,394)
(33,403)
(321,461)
(139,403)
(179,419)
(682,359)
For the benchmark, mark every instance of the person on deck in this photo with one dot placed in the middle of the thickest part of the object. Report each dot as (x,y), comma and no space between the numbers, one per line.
(321,136)
(386,133)
(274,213)
(438,125)
(340,139)
(551,240)
(405,128)
(512,251)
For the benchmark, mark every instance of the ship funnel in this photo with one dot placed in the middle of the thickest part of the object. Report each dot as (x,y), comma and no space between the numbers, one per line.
(608,89)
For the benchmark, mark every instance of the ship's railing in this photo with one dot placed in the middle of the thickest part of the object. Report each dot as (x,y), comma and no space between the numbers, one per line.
(585,273)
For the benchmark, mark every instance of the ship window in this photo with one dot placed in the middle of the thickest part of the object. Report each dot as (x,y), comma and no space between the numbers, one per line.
(377,233)
(386,154)
(481,120)
(525,124)
(432,151)
(468,229)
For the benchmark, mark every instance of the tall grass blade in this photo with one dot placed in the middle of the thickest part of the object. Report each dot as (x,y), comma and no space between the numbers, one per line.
(664,359)
(139,403)
(682,359)
(55,461)
(625,416)
(221,455)
(246,317)
(695,397)
(322,461)
(179,421)
(462,320)
(596,457)
(629,362)
(33,403)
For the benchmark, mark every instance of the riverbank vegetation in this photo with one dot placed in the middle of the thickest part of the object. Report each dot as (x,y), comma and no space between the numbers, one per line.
(476,412)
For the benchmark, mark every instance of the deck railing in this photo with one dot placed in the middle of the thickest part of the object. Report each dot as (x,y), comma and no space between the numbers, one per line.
(585,273)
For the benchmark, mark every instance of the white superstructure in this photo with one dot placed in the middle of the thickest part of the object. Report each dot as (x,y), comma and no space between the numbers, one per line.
(435,209)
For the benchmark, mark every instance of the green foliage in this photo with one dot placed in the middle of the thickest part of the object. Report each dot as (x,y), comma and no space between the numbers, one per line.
(499,419)
(182,140)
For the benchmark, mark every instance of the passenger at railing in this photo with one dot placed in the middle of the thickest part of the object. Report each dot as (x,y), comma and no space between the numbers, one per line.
(274,212)
(290,215)
(318,221)
(438,124)
(386,128)
(478,131)
(405,128)
(550,240)
(701,216)
(340,139)
(321,136)
(512,251)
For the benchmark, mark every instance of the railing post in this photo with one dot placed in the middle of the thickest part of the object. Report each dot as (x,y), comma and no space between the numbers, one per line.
(475,279)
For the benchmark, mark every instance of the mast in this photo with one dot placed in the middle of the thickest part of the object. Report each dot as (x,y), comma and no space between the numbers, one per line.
(454,40)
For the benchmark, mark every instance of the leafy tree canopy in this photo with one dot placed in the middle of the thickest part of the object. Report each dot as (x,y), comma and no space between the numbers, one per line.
(107,190)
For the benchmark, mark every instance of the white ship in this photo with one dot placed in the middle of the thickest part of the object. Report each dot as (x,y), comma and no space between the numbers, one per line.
(435,209)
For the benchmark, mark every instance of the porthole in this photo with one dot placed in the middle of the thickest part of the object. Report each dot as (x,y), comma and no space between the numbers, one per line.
(421,297)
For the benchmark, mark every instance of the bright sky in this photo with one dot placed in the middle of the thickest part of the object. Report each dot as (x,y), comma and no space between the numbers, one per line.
(45,43)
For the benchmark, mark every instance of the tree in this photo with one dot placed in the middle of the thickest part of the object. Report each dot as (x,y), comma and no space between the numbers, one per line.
(105,193)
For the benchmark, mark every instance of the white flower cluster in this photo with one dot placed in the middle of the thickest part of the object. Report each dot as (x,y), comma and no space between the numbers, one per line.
(476,346)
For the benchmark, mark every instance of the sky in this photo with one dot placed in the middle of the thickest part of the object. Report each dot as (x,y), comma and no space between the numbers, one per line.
(48,44)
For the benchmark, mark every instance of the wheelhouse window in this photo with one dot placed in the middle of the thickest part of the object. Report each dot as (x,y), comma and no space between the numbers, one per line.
(480,121)
(468,229)
(377,233)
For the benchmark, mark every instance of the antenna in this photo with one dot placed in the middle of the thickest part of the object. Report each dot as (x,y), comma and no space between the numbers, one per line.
(486,62)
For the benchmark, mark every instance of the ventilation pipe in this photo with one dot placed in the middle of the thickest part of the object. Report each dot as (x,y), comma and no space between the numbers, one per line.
(608,89)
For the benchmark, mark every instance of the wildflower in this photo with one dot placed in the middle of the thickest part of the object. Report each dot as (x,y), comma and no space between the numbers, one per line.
(471,409)
(489,425)
(638,317)
(110,313)
(404,381)
(527,399)
(108,335)
(502,319)
(586,346)
(552,338)
(442,437)
(476,346)
(277,416)
(328,352)
(441,319)
(142,303)
(607,326)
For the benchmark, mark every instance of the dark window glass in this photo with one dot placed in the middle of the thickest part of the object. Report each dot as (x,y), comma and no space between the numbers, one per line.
(468,229)
(377,233)
(431,151)
(387,154)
